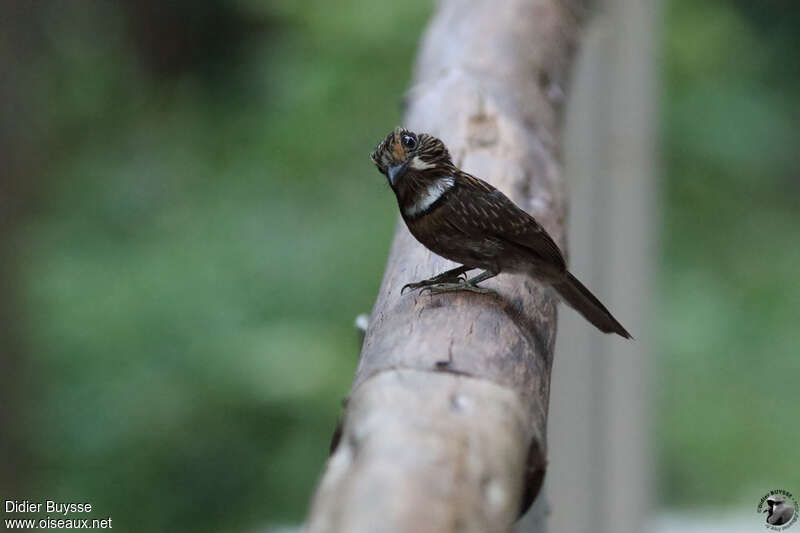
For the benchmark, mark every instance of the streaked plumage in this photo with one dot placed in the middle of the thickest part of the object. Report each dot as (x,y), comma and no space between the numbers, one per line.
(467,220)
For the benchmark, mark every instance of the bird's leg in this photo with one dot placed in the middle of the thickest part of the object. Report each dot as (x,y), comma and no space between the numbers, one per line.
(470,285)
(449,276)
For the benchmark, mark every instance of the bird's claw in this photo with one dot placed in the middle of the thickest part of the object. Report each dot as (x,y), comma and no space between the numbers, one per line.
(439,288)
(428,283)
(406,286)
(412,286)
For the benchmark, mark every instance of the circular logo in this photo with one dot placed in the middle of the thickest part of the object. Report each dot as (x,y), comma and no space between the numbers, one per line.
(780,509)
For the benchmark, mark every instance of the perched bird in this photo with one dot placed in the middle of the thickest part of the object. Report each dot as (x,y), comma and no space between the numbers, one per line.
(466,220)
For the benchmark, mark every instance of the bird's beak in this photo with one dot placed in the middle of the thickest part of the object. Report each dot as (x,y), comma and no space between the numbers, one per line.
(394,172)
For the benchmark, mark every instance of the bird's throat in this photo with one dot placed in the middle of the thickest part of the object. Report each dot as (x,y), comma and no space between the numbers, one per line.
(424,199)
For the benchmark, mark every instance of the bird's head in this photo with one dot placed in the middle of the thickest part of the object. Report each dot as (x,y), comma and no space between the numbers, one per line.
(403,151)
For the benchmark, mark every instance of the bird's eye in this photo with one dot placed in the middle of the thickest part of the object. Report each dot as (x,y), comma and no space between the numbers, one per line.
(409,142)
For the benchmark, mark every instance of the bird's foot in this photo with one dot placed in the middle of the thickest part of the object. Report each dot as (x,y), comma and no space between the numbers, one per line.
(441,279)
(440,288)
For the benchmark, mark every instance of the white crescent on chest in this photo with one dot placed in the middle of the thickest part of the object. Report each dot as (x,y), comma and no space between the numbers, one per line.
(429,195)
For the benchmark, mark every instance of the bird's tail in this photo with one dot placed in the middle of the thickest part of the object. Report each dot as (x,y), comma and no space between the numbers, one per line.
(583,301)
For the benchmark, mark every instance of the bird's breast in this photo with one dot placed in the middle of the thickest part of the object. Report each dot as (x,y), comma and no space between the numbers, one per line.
(426,198)
(437,232)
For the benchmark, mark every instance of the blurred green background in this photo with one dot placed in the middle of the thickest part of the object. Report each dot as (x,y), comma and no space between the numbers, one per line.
(190,224)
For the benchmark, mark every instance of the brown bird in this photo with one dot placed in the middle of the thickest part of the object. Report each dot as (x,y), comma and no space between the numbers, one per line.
(466,220)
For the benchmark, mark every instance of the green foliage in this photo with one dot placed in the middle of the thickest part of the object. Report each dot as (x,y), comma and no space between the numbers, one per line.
(728,371)
(197,260)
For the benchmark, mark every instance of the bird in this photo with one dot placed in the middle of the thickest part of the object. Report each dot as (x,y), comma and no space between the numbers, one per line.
(464,219)
(778,512)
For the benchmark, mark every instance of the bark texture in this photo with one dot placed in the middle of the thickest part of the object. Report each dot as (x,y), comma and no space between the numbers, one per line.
(444,429)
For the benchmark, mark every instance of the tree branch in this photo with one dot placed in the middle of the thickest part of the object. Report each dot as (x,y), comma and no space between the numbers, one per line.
(444,429)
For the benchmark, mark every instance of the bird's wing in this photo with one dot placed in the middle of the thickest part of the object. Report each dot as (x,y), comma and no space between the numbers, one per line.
(489,210)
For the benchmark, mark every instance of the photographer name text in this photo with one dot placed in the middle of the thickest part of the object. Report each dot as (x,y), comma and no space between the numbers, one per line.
(56,519)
